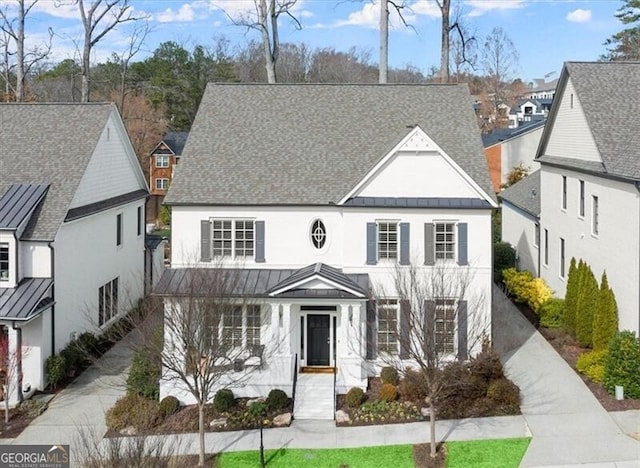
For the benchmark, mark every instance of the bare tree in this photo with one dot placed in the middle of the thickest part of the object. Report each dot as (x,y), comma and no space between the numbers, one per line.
(383,66)
(98,20)
(499,59)
(136,41)
(201,346)
(463,38)
(463,47)
(441,319)
(6,64)
(25,59)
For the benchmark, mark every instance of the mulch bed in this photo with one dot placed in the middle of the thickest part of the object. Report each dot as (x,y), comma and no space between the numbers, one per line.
(422,456)
(567,347)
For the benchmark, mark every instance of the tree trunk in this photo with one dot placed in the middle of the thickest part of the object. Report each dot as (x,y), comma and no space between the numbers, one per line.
(432,428)
(86,54)
(384,42)
(268,48)
(445,7)
(20,53)
(201,432)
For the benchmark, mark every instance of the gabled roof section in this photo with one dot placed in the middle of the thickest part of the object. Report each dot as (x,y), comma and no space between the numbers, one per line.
(174,142)
(331,277)
(310,144)
(52,143)
(609,93)
(500,135)
(27,300)
(525,194)
(18,202)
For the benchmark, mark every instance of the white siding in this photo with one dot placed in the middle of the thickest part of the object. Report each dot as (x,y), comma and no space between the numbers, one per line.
(35,260)
(86,258)
(113,169)
(616,249)
(571,136)
(521,150)
(518,229)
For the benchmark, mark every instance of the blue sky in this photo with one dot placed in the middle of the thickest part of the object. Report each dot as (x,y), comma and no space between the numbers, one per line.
(545,32)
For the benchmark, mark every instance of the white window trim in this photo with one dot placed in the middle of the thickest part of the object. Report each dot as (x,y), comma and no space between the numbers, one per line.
(163,181)
(454,336)
(545,253)
(454,223)
(564,189)
(396,222)
(233,237)
(311,234)
(119,230)
(244,337)
(582,201)
(536,235)
(160,157)
(389,302)
(595,216)
(6,278)
(562,256)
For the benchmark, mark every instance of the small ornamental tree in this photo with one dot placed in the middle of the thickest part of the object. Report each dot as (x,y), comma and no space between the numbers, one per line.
(587,304)
(571,297)
(605,320)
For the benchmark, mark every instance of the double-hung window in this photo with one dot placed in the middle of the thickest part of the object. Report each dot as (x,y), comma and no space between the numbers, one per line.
(107,301)
(4,262)
(387,240)
(162,184)
(232,327)
(162,160)
(240,327)
(388,311)
(445,241)
(233,237)
(445,325)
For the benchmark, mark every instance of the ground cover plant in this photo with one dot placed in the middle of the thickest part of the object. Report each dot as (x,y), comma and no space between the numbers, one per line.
(501,453)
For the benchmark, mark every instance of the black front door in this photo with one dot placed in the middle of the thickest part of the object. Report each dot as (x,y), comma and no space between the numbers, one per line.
(318,337)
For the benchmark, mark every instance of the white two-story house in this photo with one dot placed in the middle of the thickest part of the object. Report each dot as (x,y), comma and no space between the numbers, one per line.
(318,194)
(588,185)
(72,200)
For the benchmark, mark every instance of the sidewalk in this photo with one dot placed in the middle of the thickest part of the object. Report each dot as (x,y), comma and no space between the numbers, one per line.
(568,424)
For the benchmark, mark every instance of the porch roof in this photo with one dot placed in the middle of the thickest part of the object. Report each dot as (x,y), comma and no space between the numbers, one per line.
(281,283)
(25,301)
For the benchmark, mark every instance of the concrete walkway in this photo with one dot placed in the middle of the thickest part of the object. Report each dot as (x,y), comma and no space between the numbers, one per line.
(568,424)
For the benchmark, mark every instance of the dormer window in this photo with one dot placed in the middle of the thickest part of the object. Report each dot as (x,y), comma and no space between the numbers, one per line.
(4,262)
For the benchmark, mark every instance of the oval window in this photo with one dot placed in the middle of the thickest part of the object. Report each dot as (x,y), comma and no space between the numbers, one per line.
(318,234)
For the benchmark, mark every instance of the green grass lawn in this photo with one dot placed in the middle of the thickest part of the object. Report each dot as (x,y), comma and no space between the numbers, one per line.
(501,453)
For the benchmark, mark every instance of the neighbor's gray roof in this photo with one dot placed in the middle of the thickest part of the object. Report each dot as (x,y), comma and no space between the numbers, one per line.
(525,194)
(609,93)
(26,300)
(254,282)
(311,144)
(18,202)
(51,144)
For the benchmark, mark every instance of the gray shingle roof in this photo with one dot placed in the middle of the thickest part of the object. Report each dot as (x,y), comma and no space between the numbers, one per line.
(311,144)
(609,93)
(525,194)
(48,143)
(18,202)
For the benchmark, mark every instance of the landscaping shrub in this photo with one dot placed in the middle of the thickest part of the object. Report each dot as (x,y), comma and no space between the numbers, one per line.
(591,365)
(622,365)
(388,392)
(486,365)
(277,399)
(571,297)
(355,397)
(413,385)
(525,288)
(74,357)
(460,384)
(223,400)
(389,375)
(169,405)
(133,410)
(89,344)
(257,409)
(56,369)
(605,320)
(552,313)
(504,256)
(587,302)
(144,376)
(504,392)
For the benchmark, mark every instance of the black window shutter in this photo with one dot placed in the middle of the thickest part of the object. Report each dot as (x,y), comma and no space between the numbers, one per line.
(404,244)
(205,240)
(371,330)
(372,234)
(429,244)
(405,328)
(462,244)
(462,331)
(428,343)
(260,242)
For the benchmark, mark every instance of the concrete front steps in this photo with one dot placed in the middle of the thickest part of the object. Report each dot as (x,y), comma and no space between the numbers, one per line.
(314,397)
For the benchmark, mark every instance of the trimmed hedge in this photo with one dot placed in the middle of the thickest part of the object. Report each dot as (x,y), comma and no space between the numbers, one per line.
(622,364)
(56,369)
(355,397)
(591,365)
(525,288)
(133,410)
(388,392)
(169,405)
(144,376)
(504,256)
(389,375)
(277,399)
(552,313)
(224,400)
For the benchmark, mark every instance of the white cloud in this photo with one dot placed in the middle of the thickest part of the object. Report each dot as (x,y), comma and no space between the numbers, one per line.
(426,8)
(579,16)
(480,7)
(184,14)
(369,15)
(62,9)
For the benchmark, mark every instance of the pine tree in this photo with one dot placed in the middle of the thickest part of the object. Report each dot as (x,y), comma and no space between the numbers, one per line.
(587,304)
(571,297)
(605,320)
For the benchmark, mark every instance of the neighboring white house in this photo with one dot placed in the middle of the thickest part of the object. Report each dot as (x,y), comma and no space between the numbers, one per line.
(72,233)
(590,181)
(529,110)
(317,193)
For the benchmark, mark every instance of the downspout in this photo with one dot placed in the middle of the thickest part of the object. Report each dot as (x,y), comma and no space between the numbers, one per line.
(539,275)
(18,359)
(637,185)
(53,297)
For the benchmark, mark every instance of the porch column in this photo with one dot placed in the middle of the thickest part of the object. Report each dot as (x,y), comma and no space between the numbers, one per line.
(286,330)
(346,332)
(275,327)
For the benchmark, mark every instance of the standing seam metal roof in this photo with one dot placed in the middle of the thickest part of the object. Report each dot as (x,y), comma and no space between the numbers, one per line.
(311,144)
(18,202)
(21,302)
